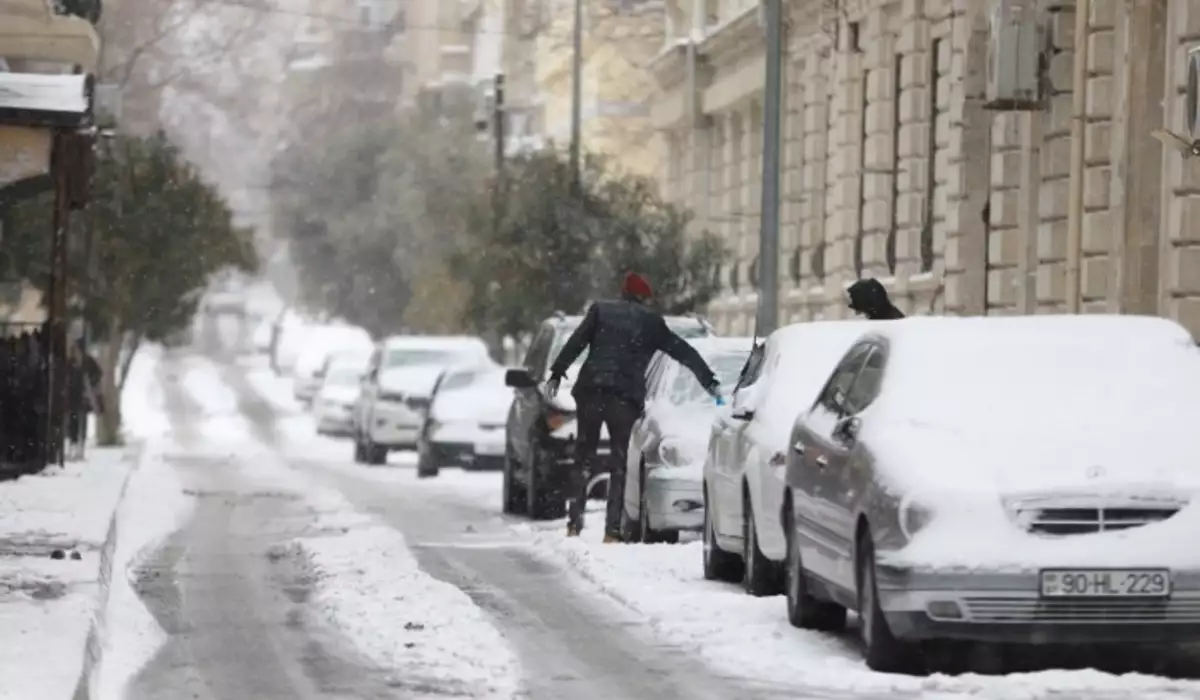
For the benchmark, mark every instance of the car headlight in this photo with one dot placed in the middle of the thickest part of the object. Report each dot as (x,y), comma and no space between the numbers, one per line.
(556,419)
(671,454)
(914,517)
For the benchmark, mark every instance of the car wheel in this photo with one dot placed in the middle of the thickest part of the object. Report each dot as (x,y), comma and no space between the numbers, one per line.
(649,534)
(719,565)
(427,466)
(375,455)
(760,576)
(545,502)
(513,500)
(803,610)
(884,653)
(360,453)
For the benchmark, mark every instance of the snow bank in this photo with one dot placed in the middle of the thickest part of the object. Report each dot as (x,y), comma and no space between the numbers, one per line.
(143,405)
(749,637)
(46,604)
(154,507)
(426,632)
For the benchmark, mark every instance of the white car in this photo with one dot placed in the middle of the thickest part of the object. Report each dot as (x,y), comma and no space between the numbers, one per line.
(321,342)
(465,426)
(1026,480)
(747,453)
(664,472)
(396,390)
(333,406)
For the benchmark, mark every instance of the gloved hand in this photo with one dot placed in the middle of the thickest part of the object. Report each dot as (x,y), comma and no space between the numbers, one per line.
(551,388)
(714,390)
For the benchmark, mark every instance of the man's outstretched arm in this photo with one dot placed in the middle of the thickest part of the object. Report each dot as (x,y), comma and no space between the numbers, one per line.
(580,339)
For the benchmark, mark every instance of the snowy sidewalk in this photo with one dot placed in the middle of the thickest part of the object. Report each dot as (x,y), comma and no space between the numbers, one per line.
(53,530)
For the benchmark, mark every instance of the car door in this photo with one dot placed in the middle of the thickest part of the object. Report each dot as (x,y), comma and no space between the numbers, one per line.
(843,481)
(645,431)
(765,468)
(526,406)
(729,444)
(813,504)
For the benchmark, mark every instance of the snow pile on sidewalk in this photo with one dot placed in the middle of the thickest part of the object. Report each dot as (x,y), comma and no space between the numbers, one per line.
(428,633)
(154,507)
(53,528)
(143,403)
(751,638)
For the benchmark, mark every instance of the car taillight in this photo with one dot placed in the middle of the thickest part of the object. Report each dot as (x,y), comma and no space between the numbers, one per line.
(556,420)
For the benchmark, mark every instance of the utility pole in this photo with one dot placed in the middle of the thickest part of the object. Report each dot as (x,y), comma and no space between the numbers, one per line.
(768,246)
(499,189)
(577,97)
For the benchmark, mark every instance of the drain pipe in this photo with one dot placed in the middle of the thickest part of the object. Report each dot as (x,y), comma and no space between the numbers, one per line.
(1078,134)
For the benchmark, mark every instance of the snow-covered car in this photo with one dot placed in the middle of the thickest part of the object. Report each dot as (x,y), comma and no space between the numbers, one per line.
(665,470)
(262,335)
(320,342)
(333,406)
(396,389)
(744,468)
(287,340)
(1018,480)
(465,425)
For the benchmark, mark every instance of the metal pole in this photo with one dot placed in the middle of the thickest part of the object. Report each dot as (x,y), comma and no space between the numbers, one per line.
(1075,191)
(498,135)
(577,95)
(56,336)
(768,259)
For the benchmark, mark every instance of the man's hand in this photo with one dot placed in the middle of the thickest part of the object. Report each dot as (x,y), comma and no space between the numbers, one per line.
(551,388)
(714,390)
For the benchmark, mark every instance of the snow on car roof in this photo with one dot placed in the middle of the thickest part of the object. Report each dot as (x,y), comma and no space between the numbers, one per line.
(1037,403)
(800,358)
(716,344)
(431,341)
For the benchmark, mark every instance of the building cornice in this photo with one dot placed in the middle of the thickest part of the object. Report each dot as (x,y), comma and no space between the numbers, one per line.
(51,38)
(734,38)
(669,67)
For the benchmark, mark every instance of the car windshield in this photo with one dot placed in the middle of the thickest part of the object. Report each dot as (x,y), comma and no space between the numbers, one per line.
(458,380)
(402,357)
(685,328)
(686,388)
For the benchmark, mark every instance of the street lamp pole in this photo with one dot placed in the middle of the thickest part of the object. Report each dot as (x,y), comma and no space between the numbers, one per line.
(577,96)
(768,257)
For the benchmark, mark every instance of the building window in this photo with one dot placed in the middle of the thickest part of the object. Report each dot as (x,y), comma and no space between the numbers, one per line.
(931,160)
(892,232)
(853,40)
(794,265)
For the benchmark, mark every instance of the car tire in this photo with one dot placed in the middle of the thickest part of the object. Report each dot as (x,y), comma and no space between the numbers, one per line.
(544,501)
(649,534)
(883,651)
(803,610)
(760,575)
(427,466)
(512,495)
(719,565)
(360,452)
(375,455)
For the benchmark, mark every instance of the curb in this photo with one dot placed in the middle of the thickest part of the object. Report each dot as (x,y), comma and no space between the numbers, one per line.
(94,648)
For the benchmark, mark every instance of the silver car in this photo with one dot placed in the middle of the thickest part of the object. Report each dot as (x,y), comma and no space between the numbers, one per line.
(665,472)
(1004,480)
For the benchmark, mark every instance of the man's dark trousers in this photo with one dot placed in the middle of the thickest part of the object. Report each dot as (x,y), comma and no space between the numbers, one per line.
(594,410)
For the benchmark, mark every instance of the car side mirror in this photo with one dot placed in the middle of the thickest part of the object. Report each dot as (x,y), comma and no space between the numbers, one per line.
(846,430)
(745,414)
(519,379)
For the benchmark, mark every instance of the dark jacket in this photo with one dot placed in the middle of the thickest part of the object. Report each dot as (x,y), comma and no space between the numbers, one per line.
(623,337)
(869,298)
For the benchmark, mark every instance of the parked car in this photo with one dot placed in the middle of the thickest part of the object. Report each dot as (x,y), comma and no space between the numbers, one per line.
(321,342)
(333,406)
(1019,480)
(465,424)
(396,390)
(744,469)
(540,432)
(664,489)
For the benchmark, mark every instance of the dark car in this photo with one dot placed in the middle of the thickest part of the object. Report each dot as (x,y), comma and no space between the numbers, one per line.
(540,435)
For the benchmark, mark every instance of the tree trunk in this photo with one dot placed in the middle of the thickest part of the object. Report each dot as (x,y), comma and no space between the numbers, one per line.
(134,343)
(108,430)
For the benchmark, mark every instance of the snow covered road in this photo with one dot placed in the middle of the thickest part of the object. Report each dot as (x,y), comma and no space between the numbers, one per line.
(302,575)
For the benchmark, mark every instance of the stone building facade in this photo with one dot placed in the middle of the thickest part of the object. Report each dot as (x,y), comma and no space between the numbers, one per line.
(893,165)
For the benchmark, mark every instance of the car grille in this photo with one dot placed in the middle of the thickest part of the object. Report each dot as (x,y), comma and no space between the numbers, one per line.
(1078,521)
(1016,610)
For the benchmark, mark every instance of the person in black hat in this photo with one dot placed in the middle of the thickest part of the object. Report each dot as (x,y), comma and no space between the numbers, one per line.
(868,298)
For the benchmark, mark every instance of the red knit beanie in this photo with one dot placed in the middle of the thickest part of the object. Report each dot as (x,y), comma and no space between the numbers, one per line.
(636,285)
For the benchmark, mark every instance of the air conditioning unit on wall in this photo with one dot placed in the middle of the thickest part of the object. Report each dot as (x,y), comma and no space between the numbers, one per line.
(1016,55)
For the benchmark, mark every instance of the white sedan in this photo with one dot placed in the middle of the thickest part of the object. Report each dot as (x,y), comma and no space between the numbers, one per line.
(333,406)
(465,425)
(747,453)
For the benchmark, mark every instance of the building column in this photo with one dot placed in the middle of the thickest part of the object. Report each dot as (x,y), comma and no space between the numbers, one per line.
(1137,160)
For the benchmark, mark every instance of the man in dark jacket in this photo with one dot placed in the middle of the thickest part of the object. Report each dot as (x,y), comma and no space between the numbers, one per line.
(623,337)
(869,298)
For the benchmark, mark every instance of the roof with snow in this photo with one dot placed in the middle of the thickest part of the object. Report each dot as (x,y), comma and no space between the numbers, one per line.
(45,100)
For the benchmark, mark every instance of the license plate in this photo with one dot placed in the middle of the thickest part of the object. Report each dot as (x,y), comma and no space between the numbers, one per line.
(1106,583)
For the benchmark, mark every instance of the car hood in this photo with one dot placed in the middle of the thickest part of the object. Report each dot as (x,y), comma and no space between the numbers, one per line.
(410,381)
(487,406)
